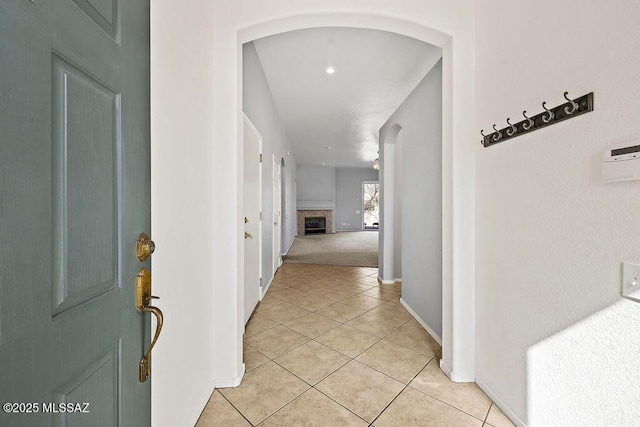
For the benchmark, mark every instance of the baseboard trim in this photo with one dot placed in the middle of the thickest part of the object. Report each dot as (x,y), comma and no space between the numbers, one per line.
(289,248)
(457,377)
(229,382)
(444,369)
(500,404)
(266,288)
(422,322)
(389,282)
(197,412)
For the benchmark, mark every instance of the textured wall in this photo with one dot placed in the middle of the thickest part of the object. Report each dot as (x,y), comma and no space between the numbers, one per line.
(349,196)
(419,191)
(181,159)
(257,103)
(316,183)
(550,235)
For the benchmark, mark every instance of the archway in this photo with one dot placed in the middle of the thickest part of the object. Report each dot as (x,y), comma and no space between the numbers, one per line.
(458,326)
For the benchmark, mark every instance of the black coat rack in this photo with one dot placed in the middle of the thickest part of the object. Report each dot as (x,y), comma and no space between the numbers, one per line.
(568,110)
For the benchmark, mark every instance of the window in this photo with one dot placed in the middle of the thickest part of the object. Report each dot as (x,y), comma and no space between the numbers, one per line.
(370,205)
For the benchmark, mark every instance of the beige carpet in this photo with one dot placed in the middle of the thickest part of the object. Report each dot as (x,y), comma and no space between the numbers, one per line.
(356,248)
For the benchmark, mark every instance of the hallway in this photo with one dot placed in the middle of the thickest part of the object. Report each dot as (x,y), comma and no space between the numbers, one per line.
(330,346)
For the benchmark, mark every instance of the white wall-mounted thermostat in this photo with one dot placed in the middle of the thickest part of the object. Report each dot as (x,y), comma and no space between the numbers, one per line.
(621,162)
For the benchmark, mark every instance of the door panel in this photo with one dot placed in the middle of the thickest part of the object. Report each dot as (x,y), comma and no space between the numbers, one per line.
(74,195)
(86,140)
(104,13)
(98,383)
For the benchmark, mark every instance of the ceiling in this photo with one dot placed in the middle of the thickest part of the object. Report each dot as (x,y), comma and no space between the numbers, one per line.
(333,119)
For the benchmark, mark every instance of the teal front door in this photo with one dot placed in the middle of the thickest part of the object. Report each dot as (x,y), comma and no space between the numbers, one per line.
(74,197)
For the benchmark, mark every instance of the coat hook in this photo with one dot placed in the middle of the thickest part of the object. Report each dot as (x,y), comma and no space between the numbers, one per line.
(512,130)
(574,105)
(529,124)
(550,116)
(497,136)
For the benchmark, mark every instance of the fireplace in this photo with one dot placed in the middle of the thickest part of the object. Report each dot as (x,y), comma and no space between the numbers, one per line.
(315,225)
(313,215)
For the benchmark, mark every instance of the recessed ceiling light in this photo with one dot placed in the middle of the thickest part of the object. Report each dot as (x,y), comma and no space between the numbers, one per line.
(330,70)
(328,147)
(323,164)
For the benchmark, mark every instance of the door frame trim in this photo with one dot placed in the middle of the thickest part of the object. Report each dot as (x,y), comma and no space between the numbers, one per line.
(276,261)
(257,133)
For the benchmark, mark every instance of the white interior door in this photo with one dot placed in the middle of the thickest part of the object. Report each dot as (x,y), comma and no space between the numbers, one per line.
(277,215)
(252,220)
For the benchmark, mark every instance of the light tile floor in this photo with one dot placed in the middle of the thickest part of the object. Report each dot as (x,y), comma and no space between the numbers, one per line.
(330,346)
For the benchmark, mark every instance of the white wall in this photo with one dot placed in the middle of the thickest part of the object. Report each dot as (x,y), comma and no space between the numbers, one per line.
(348,214)
(185,217)
(418,184)
(257,103)
(196,179)
(555,343)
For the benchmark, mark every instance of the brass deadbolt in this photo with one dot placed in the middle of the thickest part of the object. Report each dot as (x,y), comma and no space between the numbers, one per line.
(144,247)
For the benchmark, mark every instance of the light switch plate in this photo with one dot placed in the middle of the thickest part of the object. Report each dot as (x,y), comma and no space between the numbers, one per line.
(631,274)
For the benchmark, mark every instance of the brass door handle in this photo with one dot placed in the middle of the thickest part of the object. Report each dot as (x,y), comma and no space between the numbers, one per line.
(143,297)
(144,368)
(247,235)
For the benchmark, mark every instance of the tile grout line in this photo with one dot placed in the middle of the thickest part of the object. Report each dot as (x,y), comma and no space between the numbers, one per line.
(379,339)
(234,407)
(343,323)
(277,410)
(403,389)
(332,399)
(448,404)
(305,381)
(487,415)
(351,359)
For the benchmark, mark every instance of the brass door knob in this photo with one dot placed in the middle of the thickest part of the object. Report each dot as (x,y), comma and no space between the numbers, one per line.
(144,247)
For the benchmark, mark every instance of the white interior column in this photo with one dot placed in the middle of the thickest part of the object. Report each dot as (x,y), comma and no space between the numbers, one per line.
(387,208)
